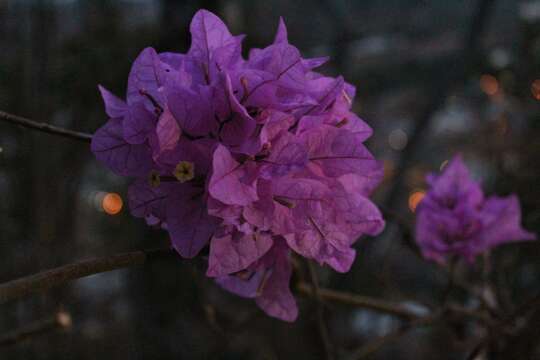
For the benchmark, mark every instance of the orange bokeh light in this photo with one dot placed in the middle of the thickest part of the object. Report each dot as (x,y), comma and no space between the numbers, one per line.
(489,84)
(112,203)
(535,89)
(415,198)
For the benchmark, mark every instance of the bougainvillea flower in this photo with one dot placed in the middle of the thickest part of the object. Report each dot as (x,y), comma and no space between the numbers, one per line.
(455,219)
(267,281)
(255,158)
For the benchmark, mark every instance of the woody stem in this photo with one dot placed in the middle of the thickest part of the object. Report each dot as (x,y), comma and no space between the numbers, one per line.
(44,127)
(47,279)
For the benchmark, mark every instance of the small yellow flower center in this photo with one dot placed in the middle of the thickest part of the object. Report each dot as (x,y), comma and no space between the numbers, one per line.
(153,178)
(184,171)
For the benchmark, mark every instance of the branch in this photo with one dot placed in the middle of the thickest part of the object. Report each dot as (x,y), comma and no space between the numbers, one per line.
(44,127)
(477,349)
(55,277)
(320,311)
(528,306)
(391,308)
(372,347)
(360,301)
(472,314)
(61,320)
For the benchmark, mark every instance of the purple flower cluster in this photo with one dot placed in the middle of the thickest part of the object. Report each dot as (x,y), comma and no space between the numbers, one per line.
(254,158)
(455,219)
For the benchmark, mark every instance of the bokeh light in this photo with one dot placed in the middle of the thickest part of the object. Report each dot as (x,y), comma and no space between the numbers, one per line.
(398,139)
(415,198)
(489,84)
(64,319)
(112,203)
(535,89)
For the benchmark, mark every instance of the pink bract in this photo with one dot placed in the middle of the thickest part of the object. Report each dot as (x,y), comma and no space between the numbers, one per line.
(255,158)
(455,219)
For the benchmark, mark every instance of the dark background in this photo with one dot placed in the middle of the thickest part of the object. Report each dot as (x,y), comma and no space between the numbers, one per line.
(433,78)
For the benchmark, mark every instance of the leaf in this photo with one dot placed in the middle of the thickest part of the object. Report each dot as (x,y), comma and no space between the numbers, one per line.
(234,252)
(338,152)
(245,285)
(288,154)
(501,219)
(193,111)
(138,124)
(145,200)
(212,43)
(188,222)
(238,125)
(455,183)
(231,182)
(281,34)
(114,106)
(315,62)
(325,90)
(284,62)
(260,213)
(167,131)
(146,75)
(323,224)
(276,298)
(275,123)
(125,159)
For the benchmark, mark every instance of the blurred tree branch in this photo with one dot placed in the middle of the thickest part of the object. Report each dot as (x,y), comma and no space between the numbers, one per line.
(323,330)
(44,127)
(50,278)
(359,301)
(60,320)
(370,348)
(55,277)
(47,279)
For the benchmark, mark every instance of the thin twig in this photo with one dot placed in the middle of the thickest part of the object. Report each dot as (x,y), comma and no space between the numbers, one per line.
(451,281)
(390,308)
(523,310)
(472,314)
(61,320)
(360,301)
(477,349)
(320,311)
(471,290)
(44,127)
(372,347)
(44,280)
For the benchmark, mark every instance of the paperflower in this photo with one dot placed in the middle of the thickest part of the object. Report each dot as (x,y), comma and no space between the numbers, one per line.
(455,219)
(254,158)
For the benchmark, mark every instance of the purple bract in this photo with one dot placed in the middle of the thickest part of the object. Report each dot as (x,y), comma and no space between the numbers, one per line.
(254,158)
(455,219)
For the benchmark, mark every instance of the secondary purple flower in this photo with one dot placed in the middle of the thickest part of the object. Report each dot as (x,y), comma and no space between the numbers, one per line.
(455,219)
(253,158)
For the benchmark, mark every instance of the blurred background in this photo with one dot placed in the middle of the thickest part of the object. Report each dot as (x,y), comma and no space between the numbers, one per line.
(433,78)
